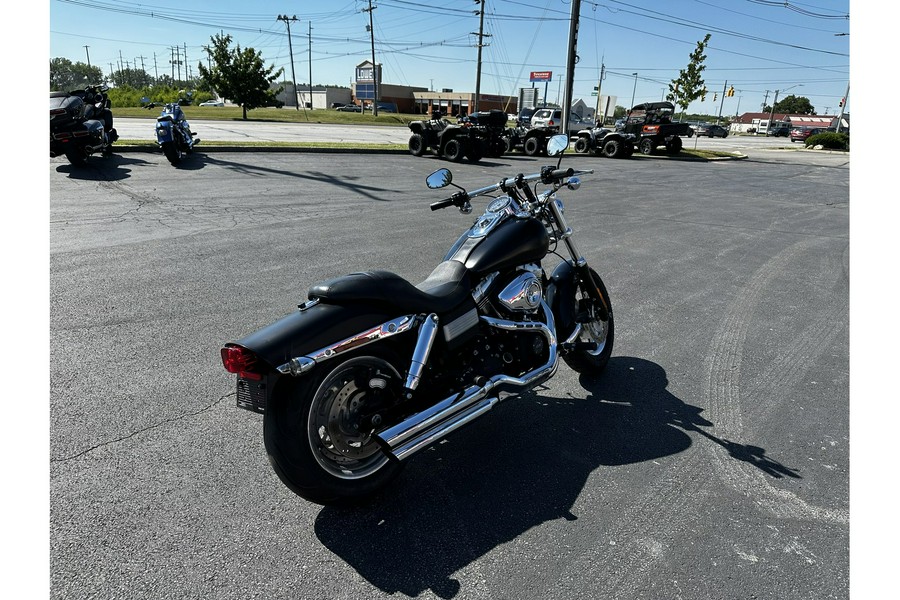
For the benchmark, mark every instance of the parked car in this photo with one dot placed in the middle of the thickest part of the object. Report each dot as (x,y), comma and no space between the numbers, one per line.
(552,117)
(799,134)
(525,115)
(337,104)
(212,103)
(715,131)
(349,108)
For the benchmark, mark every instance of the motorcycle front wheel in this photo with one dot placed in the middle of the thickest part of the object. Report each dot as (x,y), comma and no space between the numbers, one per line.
(594,328)
(172,152)
(319,431)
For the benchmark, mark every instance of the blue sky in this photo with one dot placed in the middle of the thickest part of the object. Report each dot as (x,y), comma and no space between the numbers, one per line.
(758,46)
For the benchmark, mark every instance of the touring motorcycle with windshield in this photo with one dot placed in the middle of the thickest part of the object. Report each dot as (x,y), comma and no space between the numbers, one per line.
(81,123)
(173,133)
(372,368)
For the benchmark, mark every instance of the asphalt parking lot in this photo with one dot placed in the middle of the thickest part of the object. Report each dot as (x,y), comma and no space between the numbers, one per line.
(710,461)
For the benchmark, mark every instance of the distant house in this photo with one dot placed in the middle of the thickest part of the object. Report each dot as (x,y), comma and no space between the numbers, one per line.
(758,122)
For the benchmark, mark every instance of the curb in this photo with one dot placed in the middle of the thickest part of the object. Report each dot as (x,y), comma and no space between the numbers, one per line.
(331,150)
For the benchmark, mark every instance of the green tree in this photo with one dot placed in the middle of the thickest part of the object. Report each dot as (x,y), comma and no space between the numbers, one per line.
(136,78)
(690,85)
(795,105)
(66,75)
(239,75)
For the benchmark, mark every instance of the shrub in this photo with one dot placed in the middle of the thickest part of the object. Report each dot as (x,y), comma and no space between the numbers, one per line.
(829,140)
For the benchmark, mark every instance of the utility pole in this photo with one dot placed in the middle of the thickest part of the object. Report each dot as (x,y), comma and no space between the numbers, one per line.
(310,67)
(155,67)
(287,21)
(570,67)
(843,107)
(374,66)
(599,85)
(772,113)
(722,102)
(480,44)
(88,55)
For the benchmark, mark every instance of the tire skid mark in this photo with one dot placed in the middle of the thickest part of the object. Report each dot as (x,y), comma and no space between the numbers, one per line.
(620,555)
(723,392)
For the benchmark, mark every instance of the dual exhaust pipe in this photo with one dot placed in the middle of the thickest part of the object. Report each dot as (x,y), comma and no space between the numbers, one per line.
(420,430)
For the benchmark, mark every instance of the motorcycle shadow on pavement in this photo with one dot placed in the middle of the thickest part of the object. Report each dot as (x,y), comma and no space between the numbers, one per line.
(524,464)
(102,168)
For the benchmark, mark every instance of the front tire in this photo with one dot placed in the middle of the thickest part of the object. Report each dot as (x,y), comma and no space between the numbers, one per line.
(319,435)
(582,145)
(172,152)
(416,144)
(593,329)
(647,146)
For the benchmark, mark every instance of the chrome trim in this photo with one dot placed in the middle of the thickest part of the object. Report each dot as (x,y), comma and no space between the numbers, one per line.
(301,364)
(427,332)
(419,430)
(308,304)
(523,294)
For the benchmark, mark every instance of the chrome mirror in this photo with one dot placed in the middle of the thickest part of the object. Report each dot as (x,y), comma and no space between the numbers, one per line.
(557,145)
(439,179)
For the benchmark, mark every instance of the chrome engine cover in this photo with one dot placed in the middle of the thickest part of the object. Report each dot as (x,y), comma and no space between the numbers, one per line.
(523,294)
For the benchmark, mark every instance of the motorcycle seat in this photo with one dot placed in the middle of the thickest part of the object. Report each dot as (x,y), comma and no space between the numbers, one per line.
(445,289)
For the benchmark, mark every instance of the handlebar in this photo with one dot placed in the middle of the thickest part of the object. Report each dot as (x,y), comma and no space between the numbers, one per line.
(548,175)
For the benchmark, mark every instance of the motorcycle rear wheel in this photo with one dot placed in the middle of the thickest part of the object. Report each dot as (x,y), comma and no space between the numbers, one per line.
(593,329)
(318,432)
(172,152)
(76,157)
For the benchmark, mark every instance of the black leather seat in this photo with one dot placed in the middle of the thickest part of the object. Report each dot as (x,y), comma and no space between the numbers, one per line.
(445,289)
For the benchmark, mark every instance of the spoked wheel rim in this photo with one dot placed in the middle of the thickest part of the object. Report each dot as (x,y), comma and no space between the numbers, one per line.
(340,420)
(595,329)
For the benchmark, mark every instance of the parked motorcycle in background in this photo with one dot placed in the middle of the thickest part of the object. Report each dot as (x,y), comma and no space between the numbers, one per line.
(173,133)
(81,123)
(373,369)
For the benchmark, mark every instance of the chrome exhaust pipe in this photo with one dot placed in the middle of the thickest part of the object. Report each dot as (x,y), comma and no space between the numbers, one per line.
(422,429)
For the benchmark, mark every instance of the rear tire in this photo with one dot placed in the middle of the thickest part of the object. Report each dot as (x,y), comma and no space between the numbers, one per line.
(453,150)
(317,434)
(647,146)
(76,157)
(674,147)
(416,144)
(172,152)
(594,329)
(533,146)
(612,148)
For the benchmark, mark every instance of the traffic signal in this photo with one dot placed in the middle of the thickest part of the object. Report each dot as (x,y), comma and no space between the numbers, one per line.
(841,103)
(715,96)
(730,92)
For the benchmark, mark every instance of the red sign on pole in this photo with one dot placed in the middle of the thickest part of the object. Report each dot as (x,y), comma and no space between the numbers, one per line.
(541,76)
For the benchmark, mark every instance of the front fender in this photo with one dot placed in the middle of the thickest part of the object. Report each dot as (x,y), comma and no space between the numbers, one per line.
(560,291)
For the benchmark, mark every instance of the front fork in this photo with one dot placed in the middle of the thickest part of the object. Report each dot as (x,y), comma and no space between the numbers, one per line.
(578,262)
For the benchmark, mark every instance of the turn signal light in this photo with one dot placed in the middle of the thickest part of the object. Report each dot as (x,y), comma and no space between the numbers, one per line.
(241,362)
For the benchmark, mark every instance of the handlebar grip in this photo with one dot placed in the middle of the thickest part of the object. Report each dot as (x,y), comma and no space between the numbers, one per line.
(442,204)
(560,173)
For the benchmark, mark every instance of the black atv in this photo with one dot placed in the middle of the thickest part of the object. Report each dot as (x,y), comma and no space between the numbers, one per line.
(651,124)
(605,142)
(473,137)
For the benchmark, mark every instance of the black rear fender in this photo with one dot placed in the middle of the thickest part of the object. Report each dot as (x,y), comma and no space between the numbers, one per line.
(307,331)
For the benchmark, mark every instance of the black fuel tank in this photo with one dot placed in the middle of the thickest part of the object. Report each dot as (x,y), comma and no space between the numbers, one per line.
(513,242)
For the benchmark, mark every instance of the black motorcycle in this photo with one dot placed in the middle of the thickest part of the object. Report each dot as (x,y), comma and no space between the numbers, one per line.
(81,123)
(373,369)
